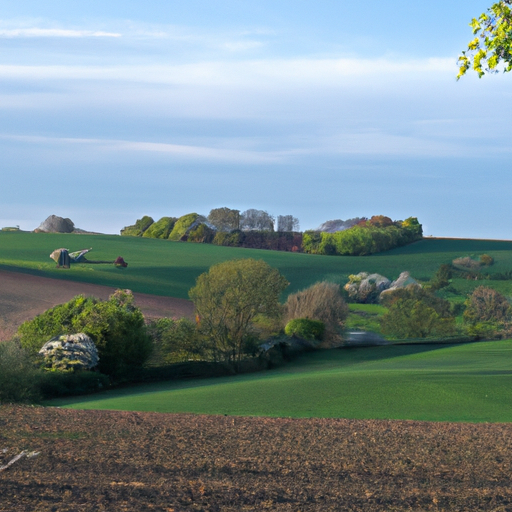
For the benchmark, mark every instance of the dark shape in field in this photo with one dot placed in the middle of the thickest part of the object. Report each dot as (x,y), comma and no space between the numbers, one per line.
(64,258)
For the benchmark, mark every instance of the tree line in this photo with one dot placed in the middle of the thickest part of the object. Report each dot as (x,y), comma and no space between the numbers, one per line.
(255,229)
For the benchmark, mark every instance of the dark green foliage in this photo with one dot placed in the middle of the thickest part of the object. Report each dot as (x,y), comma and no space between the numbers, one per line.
(233,239)
(116,326)
(305,328)
(138,229)
(415,313)
(161,228)
(19,379)
(290,242)
(57,384)
(176,341)
(201,234)
(368,237)
(182,226)
(442,277)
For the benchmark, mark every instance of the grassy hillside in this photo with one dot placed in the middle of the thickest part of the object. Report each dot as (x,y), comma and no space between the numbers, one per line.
(170,268)
(456,383)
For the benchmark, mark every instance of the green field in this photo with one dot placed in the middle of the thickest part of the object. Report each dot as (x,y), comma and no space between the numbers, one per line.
(470,382)
(169,268)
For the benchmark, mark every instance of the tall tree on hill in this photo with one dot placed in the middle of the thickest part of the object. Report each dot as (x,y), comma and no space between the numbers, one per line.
(227,299)
(256,220)
(224,219)
(287,223)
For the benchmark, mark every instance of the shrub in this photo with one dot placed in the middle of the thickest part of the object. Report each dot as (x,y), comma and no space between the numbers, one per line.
(322,301)
(161,228)
(116,326)
(413,312)
(467,263)
(176,341)
(442,277)
(487,305)
(486,260)
(305,328)
(138,229)
(19,379)
(202,234)
(182,226)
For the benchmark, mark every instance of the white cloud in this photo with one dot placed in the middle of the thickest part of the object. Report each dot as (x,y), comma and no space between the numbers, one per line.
(276,73)
(54,32)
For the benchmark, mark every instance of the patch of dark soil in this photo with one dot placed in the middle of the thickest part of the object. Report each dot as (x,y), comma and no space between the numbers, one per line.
(107,460)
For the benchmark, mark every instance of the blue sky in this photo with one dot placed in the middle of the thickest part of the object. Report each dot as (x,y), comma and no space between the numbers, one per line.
(323,110)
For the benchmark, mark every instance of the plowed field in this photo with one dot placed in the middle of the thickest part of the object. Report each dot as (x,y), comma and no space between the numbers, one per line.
(23,296)
(114,461)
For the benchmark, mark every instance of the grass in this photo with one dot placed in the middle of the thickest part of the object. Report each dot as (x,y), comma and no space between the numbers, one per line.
(169,268)
(456,383)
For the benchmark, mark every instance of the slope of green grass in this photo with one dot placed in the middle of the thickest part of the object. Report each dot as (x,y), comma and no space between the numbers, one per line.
(457,383)
(170,268)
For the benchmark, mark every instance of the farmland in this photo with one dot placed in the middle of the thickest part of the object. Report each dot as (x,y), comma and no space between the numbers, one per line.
(167,268)
(469,382)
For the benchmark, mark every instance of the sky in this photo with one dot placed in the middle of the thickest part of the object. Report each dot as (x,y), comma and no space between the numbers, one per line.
(324,110)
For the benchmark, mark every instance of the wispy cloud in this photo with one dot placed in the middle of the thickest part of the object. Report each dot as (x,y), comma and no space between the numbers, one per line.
(53,32)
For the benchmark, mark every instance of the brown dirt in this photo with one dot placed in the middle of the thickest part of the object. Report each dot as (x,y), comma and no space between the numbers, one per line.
(23,296)
(108,460)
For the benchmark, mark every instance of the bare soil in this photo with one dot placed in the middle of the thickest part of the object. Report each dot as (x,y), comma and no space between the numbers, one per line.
(108,460)
(23,296)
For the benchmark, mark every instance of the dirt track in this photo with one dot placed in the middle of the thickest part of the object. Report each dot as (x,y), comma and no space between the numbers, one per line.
(114,461)
(23,296)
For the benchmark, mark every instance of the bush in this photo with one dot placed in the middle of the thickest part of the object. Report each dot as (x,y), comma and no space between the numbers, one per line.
(442,277)
(413,312)
(467,263)
(305,328)
(161,228)
(201,234)
(486,260)
(487,305)
(322,301)
(176,341)
(138,229)
(116,326)
(54,384)
(182,226)
(19,379)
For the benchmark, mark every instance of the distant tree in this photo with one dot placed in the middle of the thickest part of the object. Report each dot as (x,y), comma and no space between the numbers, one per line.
(256,220)
(227,299)
(161,228)
(492,44)
(331,226)
(138,228)
(413,312)
(487,305)
(224,219)
(287,223)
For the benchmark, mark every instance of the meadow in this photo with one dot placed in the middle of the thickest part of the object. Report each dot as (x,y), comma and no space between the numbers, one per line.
(162,267)
(468,383)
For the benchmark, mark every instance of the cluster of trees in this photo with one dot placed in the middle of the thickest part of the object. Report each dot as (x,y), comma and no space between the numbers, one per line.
(255,229)
(371,236)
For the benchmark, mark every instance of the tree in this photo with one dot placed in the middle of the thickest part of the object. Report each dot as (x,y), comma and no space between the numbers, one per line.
(322,301)
(228,298)
(492,44)
(487,305)
(256,219)
(116,326)
(287,223)
(415,313)
(224,219)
